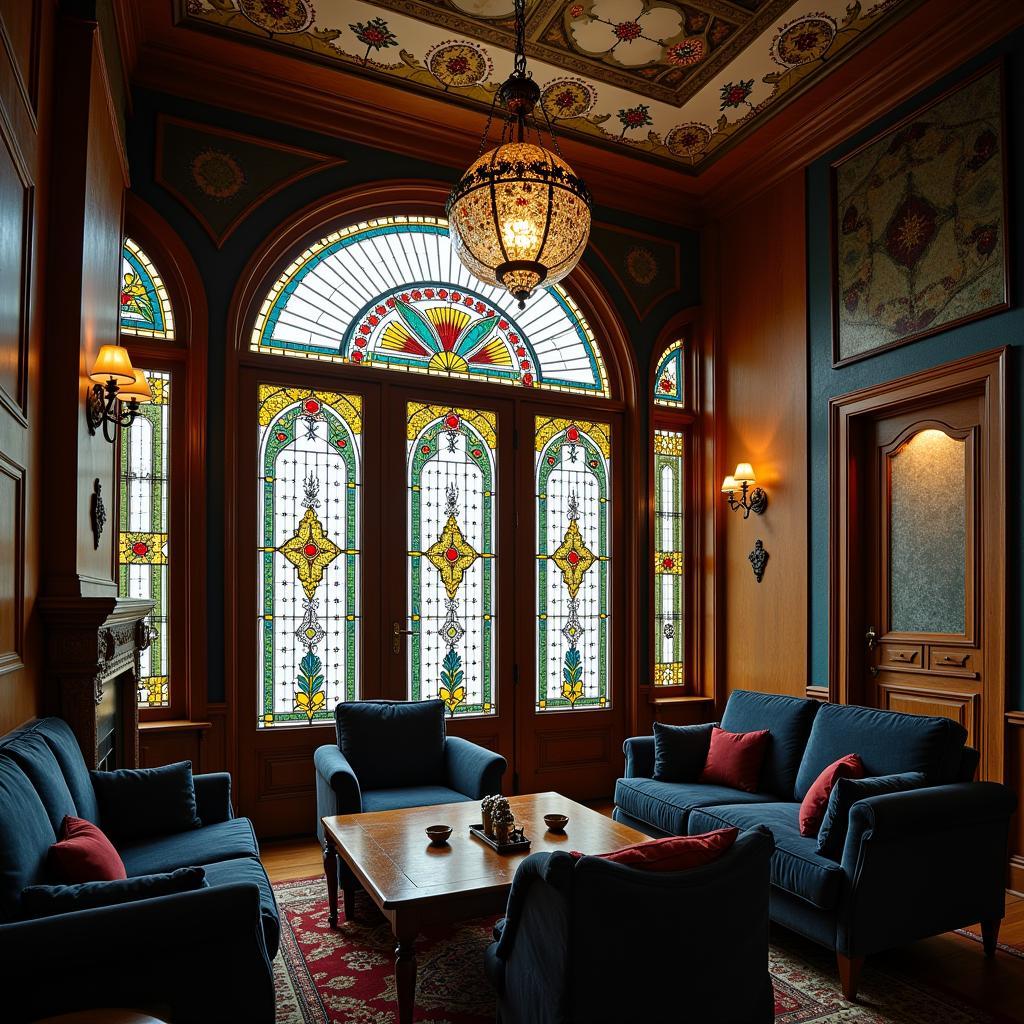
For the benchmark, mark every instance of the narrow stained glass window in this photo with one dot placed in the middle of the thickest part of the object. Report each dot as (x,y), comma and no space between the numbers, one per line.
(669,588)
(670,380)
(451,482)
(143,539)
(309,482)
(573,482)
(145,305)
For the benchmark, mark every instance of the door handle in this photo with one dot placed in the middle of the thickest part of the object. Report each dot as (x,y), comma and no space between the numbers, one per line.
(396,637)
(871,637)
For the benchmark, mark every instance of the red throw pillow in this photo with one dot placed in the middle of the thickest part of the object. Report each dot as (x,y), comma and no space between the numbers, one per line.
(676,853)
(735,758)
(84,854)
(815,803)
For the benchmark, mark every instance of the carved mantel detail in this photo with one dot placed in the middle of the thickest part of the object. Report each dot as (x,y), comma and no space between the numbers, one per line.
(92,649)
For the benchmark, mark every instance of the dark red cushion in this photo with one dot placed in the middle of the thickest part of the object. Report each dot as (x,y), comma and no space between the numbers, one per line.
(676,853)
(735,759)
(84,854)
(812,809)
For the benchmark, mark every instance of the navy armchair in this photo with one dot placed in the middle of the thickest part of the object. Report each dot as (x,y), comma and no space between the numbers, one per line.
(393,754)
(168,954)
(589,941)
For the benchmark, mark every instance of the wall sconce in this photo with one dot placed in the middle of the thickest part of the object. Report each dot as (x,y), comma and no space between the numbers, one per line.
(742,479)
(115,380)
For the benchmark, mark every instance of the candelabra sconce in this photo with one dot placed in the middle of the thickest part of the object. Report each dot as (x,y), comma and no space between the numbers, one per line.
(751,499)
(117,392)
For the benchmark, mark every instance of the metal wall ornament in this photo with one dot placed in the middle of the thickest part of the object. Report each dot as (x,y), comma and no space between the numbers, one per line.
(758,559)
(97,513)
(519,217)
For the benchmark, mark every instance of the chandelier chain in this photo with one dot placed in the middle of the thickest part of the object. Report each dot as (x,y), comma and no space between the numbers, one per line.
(520,62)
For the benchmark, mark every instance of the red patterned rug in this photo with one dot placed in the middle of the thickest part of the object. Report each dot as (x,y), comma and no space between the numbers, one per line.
(346,976)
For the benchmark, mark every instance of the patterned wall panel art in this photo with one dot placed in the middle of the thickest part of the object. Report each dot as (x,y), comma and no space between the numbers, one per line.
(390,293)
(647,268)
(674,80)
(573,492)
(310,473)
(920,224)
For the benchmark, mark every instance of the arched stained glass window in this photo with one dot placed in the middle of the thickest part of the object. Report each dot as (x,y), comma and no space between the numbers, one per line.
(669,558)
(391,293)
(573,481)
(452,471)
(145,306)
(310,474)
(670,380)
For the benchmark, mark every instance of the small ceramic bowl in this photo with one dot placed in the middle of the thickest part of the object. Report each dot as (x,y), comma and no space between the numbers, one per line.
(556,822)
(438,834)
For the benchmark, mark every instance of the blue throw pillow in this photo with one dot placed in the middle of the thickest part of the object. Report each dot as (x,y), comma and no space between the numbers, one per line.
(680,751)
(44,900)
(845,793)
(140,803)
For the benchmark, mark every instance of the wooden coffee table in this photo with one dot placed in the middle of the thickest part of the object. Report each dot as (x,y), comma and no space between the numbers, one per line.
(417,885)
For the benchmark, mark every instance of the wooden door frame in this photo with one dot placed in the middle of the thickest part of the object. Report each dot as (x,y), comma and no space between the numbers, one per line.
(984,374)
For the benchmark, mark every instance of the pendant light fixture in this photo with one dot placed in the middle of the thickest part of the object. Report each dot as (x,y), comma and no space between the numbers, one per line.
(519,217)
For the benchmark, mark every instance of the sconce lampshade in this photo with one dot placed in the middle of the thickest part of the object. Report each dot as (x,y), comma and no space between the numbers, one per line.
(729,484)
(138,390)
(744,473)
(112,362)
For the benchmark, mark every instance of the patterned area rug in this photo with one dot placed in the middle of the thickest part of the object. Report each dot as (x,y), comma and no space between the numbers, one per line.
(347,977)
(1006,947)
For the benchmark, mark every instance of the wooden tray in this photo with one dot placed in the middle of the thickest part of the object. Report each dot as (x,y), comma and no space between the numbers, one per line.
(478,831)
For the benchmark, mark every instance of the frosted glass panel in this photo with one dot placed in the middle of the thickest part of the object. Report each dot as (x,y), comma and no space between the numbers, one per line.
(928,535)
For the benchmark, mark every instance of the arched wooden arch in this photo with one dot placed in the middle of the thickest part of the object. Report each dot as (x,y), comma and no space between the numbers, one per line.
(304,228)
(185,356)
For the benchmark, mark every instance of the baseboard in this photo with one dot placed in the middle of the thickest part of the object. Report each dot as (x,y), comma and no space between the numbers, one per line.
(1017,875)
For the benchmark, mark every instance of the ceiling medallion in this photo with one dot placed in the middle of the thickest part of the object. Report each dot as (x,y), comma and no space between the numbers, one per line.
(519,217)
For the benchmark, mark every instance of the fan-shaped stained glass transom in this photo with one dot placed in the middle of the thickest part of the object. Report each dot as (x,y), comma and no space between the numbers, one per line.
(670,380)
(145,305)
(391,293)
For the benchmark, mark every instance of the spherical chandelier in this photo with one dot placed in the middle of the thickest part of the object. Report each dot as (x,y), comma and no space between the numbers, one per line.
(519,217)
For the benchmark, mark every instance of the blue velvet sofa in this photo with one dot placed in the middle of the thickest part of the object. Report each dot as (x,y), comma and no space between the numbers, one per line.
(195,956)
(393,754)
(687,946)
(892,883)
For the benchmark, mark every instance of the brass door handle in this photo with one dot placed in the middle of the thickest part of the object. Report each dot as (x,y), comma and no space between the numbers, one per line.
(396,637)
(871,637)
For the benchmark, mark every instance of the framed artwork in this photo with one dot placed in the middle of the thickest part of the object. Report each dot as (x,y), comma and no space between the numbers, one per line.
(919,223)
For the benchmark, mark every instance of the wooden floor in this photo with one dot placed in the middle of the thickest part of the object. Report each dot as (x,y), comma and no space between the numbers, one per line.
(948,961)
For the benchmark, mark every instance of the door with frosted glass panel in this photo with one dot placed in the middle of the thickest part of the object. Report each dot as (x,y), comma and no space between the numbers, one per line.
(923,635)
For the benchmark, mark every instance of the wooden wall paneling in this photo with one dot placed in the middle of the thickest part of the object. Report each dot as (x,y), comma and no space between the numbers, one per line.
(760,375)
(1015,779)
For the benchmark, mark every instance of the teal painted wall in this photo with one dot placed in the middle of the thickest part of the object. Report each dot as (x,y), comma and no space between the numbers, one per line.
(826,382)
(220,269)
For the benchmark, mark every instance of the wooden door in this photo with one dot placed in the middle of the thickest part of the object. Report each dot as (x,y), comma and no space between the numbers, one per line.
(923,609)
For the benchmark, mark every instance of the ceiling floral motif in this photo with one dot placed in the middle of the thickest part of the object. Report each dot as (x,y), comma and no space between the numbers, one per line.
(673,80)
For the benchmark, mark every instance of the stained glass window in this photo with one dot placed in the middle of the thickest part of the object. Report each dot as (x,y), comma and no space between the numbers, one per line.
(573,481)
(143,538)
(145,306)
(452,471)
(670,380)
(309,500)
(391,293)
(669,584)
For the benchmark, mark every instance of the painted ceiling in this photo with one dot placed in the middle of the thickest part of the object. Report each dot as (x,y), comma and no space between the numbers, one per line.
(673,80)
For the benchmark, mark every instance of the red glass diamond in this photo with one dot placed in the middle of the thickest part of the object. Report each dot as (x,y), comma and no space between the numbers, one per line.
(139,548)
(425,449)
(452,555)
(573,558)
(573,434)
(281,436)
(311,405)
(310,550)
(667,563)
(477,453)
(451,421)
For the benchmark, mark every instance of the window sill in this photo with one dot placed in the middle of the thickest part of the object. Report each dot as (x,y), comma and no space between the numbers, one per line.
(172,725)
(683,699)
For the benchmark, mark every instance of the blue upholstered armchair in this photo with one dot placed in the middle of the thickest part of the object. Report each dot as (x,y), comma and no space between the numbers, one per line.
(592,941)
(393,754)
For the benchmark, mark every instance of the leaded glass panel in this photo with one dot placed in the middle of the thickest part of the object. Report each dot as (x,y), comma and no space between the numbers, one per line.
(451,458)
(669,588)
(573,494)
(145,305)
(309,482)
(391,293)
(928,535)
(670,380)
(143,538)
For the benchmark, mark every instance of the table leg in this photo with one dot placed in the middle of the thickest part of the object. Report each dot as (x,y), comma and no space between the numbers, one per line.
(331,871)
(405,977)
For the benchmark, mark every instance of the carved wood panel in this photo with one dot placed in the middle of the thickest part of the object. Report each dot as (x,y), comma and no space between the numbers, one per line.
(960,707)
(12,565)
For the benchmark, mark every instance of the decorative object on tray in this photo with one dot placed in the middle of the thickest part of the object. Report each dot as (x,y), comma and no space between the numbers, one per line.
(486,808)
(556,822)
(503,819)
(438,834)
(517,840)
(919,223)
